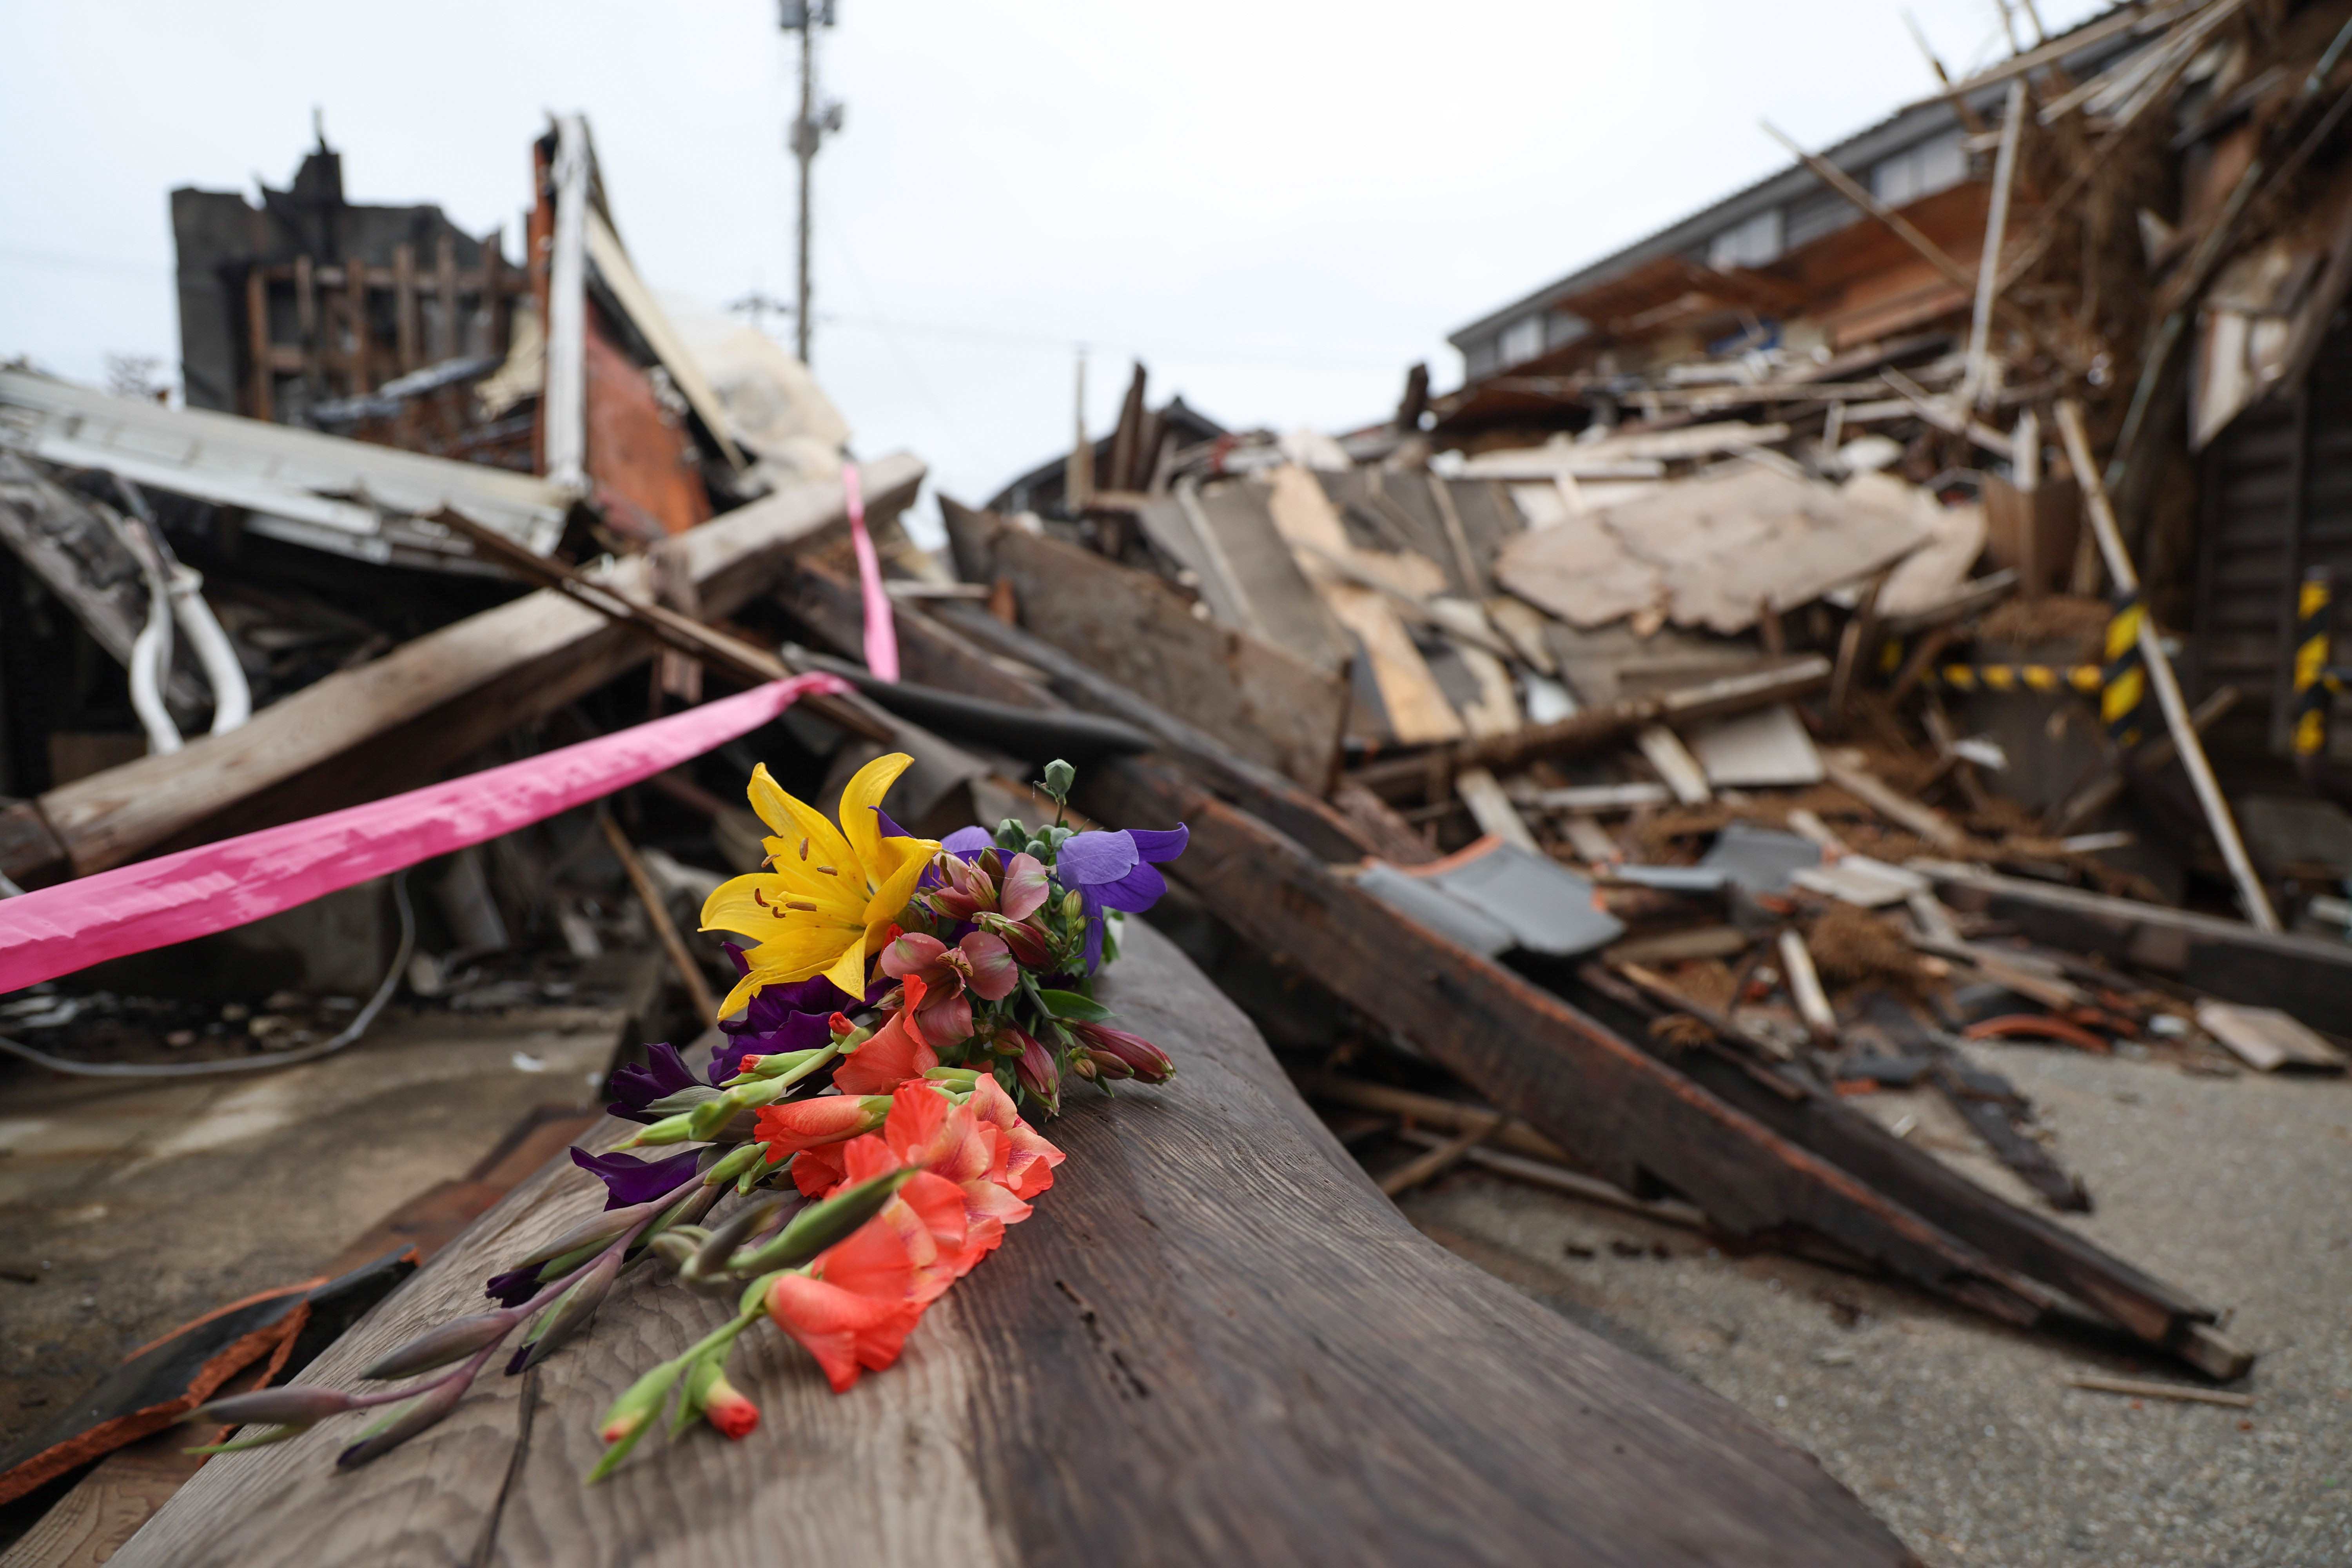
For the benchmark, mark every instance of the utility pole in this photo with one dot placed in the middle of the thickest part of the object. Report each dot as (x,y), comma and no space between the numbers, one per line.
(804,17)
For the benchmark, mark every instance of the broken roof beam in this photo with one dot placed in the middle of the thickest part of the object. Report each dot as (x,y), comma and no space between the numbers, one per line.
(397,721)
(1612,724)
(323,491)
(2308,976)
(563,398)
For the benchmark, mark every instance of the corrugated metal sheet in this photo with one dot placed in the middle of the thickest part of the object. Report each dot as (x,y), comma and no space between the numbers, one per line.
(2277,500)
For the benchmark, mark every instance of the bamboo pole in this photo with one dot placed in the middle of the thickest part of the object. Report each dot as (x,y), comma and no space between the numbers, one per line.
(2159,674)
(1977,386)
(697,989)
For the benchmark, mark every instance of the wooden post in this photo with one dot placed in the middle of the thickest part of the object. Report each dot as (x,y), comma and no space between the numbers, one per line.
(494,290)
(306,322)
(2159,674)
(448,337)
(2025,477)
(404,303)
(256,326)
(356,296)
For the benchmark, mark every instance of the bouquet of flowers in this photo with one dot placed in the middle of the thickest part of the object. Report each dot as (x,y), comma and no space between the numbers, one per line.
(903,1003)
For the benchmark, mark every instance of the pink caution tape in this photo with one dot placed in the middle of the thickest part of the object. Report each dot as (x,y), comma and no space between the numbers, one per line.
(881,631)
(173,897)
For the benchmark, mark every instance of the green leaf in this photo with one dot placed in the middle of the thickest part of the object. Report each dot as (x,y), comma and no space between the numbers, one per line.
(1071,1005)
(239,1445)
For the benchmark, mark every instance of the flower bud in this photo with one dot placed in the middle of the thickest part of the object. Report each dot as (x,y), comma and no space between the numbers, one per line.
(1083,1064)
(1074,904)
(604,1226)
(732,1164)
(1029,946)
(821,1225)
(439,1347)
(1059,776)
(674,1248)
(1037,1071)
(298,1404)
(676,1128)
(1131,1054)
(569,1314)
(710,1258)
(631,1415)
(416,1416)
(724,1406)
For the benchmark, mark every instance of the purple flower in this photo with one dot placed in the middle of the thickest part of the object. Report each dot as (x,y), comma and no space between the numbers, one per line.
(628,1180)
(1115,870)
(515,1286)
(966,843)
(633,1088)
(783,1017)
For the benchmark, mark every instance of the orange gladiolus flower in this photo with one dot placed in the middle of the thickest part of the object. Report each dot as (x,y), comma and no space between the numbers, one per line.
(846,1331)
(895,1053)
(803,1124)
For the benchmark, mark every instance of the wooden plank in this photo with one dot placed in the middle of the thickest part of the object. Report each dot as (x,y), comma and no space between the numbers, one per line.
(1208,1251)
(1417,711)
(1675,766)
(1866,788)
(1493,810)
(2267,1040)
(1260,700)
(393,723)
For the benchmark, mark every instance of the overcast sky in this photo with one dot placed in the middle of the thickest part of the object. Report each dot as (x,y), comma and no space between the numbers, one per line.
(1278,206)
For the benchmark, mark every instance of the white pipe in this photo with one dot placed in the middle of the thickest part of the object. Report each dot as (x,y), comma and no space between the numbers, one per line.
(232,698)
(151,656)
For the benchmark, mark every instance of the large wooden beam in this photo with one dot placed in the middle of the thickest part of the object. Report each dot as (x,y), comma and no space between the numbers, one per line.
(1213,1342)
(398,721)
(1262,702)
(2309,976)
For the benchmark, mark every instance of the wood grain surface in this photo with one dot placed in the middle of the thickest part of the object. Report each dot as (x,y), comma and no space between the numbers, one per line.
(1214,1342)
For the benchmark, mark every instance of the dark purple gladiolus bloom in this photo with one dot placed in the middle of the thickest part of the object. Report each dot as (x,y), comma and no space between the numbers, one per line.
(783,1017)
(628,1180)
(515,1286)
(633,1088)
(1116,870)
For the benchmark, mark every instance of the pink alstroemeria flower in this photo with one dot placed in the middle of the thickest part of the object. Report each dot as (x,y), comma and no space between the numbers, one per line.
(980,964)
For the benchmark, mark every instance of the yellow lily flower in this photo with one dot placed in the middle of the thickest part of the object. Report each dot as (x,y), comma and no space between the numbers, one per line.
(833,894)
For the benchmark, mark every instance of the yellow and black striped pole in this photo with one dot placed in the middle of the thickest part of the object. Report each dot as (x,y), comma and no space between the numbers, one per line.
(2123,680)
(2311,643)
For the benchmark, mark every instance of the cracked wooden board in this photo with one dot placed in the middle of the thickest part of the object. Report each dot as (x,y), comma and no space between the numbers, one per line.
(1214,1342)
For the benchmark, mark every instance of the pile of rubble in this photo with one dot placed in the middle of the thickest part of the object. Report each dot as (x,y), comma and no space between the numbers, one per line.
(1750,701)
